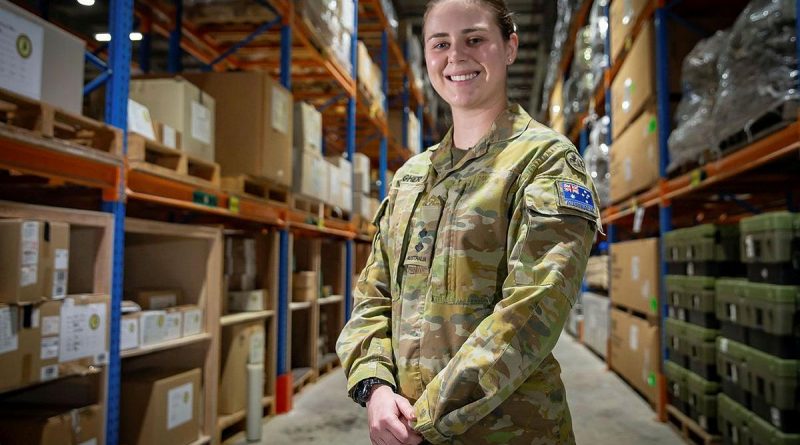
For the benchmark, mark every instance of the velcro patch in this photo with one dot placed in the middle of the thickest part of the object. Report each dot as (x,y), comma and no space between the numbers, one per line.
(576,196)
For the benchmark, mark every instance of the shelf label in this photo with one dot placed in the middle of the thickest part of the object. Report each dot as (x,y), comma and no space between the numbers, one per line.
(233,204)
(139,120)
(203,198)
(697,177)
(638,217)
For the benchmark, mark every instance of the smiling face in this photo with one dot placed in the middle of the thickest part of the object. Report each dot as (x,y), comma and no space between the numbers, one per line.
(466,54)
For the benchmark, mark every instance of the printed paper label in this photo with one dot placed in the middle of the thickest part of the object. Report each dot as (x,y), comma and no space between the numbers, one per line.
(749,246)
(633,337)
(62,259)
(129,333)
(776,416)
(174,325)
(59,290)
(179,405)
(732,312)
(256,348)
(48,373)
(83,330)
(153,328)
(627,169)
(49,348)
(51,325)
(723,344)
(139,120)
(27,275)
(169,137)
(280,106)
(162,301)
(9,337)
(21,49)
(635,268)
(192,322)
(201,123)
(30,253)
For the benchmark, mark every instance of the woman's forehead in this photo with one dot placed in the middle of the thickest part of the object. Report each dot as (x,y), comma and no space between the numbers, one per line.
(457,15)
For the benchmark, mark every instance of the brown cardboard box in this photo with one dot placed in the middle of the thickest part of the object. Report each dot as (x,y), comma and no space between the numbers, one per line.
(623,15)
(88,429)
(21,258)
(240,255)
(242,343)
(56,260)
(239,282)
(635,351)
(11,360)
(307,128)
(247,301)
(160,406)
(157,299)
(167,135)
(254,124)
(184,107)
(43,427)
(311,175)
(635,275)
(634,84)
(635,157)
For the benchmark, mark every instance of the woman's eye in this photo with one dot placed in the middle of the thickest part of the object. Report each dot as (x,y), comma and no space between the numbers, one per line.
(440,45)
(474,40)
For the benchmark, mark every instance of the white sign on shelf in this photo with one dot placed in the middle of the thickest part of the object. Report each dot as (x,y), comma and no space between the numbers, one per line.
(139,120)
(21,49)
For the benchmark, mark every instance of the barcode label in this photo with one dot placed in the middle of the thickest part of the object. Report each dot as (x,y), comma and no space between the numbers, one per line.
(49,373)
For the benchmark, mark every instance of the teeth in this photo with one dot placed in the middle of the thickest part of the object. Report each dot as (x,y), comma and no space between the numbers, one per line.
(464,77)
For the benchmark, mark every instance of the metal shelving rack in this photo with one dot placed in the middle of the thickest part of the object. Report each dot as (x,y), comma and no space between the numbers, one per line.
(121,186)
(670,193)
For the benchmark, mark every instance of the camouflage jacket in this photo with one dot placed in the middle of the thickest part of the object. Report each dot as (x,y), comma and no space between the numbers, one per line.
(470,280)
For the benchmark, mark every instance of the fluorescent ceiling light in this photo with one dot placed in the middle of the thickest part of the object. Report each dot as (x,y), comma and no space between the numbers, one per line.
(86,2)
(136,36)
(102,37)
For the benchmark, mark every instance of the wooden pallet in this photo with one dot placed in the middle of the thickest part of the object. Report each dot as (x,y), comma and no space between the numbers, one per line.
(335,213)
(47,121)
(153,157)
(257,188)
(328,363)
(652,318)
(314,209)
(302,377)
(364,226)
(689,429)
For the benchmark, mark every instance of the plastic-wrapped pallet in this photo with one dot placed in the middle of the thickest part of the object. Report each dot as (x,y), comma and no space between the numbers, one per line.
(391,15)
(564,12)
(575,318)
(691,140)
(597,159)
(758,69)
(597,272)
(595,322)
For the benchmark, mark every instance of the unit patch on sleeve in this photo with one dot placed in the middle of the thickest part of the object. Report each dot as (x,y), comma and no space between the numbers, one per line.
(575,161)
(576,196)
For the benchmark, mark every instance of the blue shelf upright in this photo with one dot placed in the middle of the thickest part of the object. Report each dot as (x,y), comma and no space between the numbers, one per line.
(351,151)
(383,161)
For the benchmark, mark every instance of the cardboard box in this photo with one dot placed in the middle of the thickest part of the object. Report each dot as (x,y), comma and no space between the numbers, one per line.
(56,260)
(160,407)
(305,286)
(635,275)
(174,325)
(634,85)
(167,135)
(52,426)
(239,282)
(622,16)
(247,301)
(152,327)
(240,255)
(158,298)
(21,258)
(129,332)
(183,106)
(596,320)
(307,128)
(242,343)
(635,157)
(635,351)
(254,124)
(192,319)
(361,182)
(311,175)
(11,372)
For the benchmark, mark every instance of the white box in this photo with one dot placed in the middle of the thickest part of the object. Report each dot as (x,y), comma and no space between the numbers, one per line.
(192,320)
(129,332)
(247,301)
(174,322)
(361,182)
(307,128)
(152,327)
(596,319)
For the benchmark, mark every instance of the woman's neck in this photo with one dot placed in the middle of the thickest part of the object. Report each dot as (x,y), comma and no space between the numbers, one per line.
(471,125)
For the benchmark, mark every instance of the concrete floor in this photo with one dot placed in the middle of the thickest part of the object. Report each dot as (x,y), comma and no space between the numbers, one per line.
(604,409)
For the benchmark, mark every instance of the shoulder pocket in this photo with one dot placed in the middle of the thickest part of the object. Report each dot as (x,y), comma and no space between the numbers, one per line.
(553,196)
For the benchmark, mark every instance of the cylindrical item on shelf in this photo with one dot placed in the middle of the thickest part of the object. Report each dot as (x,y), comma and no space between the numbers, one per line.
(255,394)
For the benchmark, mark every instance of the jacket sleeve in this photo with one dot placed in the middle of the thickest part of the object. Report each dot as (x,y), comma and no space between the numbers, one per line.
(365,343)
(548,245)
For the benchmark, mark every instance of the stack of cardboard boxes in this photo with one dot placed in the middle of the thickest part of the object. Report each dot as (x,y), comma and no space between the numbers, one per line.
(361,186)
(311,172)
(241,275)
(340,183)
(164,316)
(370,77)
(45,332)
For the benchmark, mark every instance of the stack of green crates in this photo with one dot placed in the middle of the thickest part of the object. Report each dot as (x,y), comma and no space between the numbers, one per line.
(695,258)
(758,353)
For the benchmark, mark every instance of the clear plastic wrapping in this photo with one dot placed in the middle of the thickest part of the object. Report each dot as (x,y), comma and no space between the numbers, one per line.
(564,11)
(758,68)
(692,138)
(597,159)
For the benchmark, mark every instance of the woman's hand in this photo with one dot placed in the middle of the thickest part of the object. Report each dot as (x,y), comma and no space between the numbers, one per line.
(390,417)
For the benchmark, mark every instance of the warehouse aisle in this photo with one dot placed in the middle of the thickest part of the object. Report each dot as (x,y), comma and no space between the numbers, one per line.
(605,410)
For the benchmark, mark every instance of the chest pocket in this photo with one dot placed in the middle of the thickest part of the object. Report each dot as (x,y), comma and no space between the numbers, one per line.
(405,198)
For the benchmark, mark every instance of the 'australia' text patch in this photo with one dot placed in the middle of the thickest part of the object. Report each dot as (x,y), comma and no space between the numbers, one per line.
(576,196)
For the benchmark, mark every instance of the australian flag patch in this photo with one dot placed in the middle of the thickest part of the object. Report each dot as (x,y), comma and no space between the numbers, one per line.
(576,196)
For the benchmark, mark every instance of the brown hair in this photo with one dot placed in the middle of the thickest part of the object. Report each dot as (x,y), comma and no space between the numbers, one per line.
(503,17)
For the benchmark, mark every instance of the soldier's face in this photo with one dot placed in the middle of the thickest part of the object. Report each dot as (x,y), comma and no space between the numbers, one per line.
(466,54)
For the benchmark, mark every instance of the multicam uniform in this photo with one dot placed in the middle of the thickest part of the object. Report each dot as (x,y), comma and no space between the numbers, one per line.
(471,277)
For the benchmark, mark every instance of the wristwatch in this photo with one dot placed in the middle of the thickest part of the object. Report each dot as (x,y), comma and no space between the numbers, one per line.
(363,389)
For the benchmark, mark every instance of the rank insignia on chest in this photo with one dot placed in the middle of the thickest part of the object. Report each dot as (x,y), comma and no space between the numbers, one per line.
(576,196)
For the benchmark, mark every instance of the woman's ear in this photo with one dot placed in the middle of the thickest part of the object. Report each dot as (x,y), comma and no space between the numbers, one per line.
(512,45)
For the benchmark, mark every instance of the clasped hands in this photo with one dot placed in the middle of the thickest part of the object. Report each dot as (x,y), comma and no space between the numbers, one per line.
(390,418)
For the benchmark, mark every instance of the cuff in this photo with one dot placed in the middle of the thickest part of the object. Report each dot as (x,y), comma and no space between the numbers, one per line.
(424,423)
(370,370)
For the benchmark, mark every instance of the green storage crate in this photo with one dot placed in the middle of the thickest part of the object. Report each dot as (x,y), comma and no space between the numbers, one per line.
(774,387)
(701,344)
(703,401)
(676,342)
(770,246)
(704,250)
(692,299)
(740,426)
(729,300)
(772,318)
(677,386)
(732,369)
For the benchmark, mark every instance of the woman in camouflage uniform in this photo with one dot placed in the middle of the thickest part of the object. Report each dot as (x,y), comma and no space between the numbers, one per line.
(481,248)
